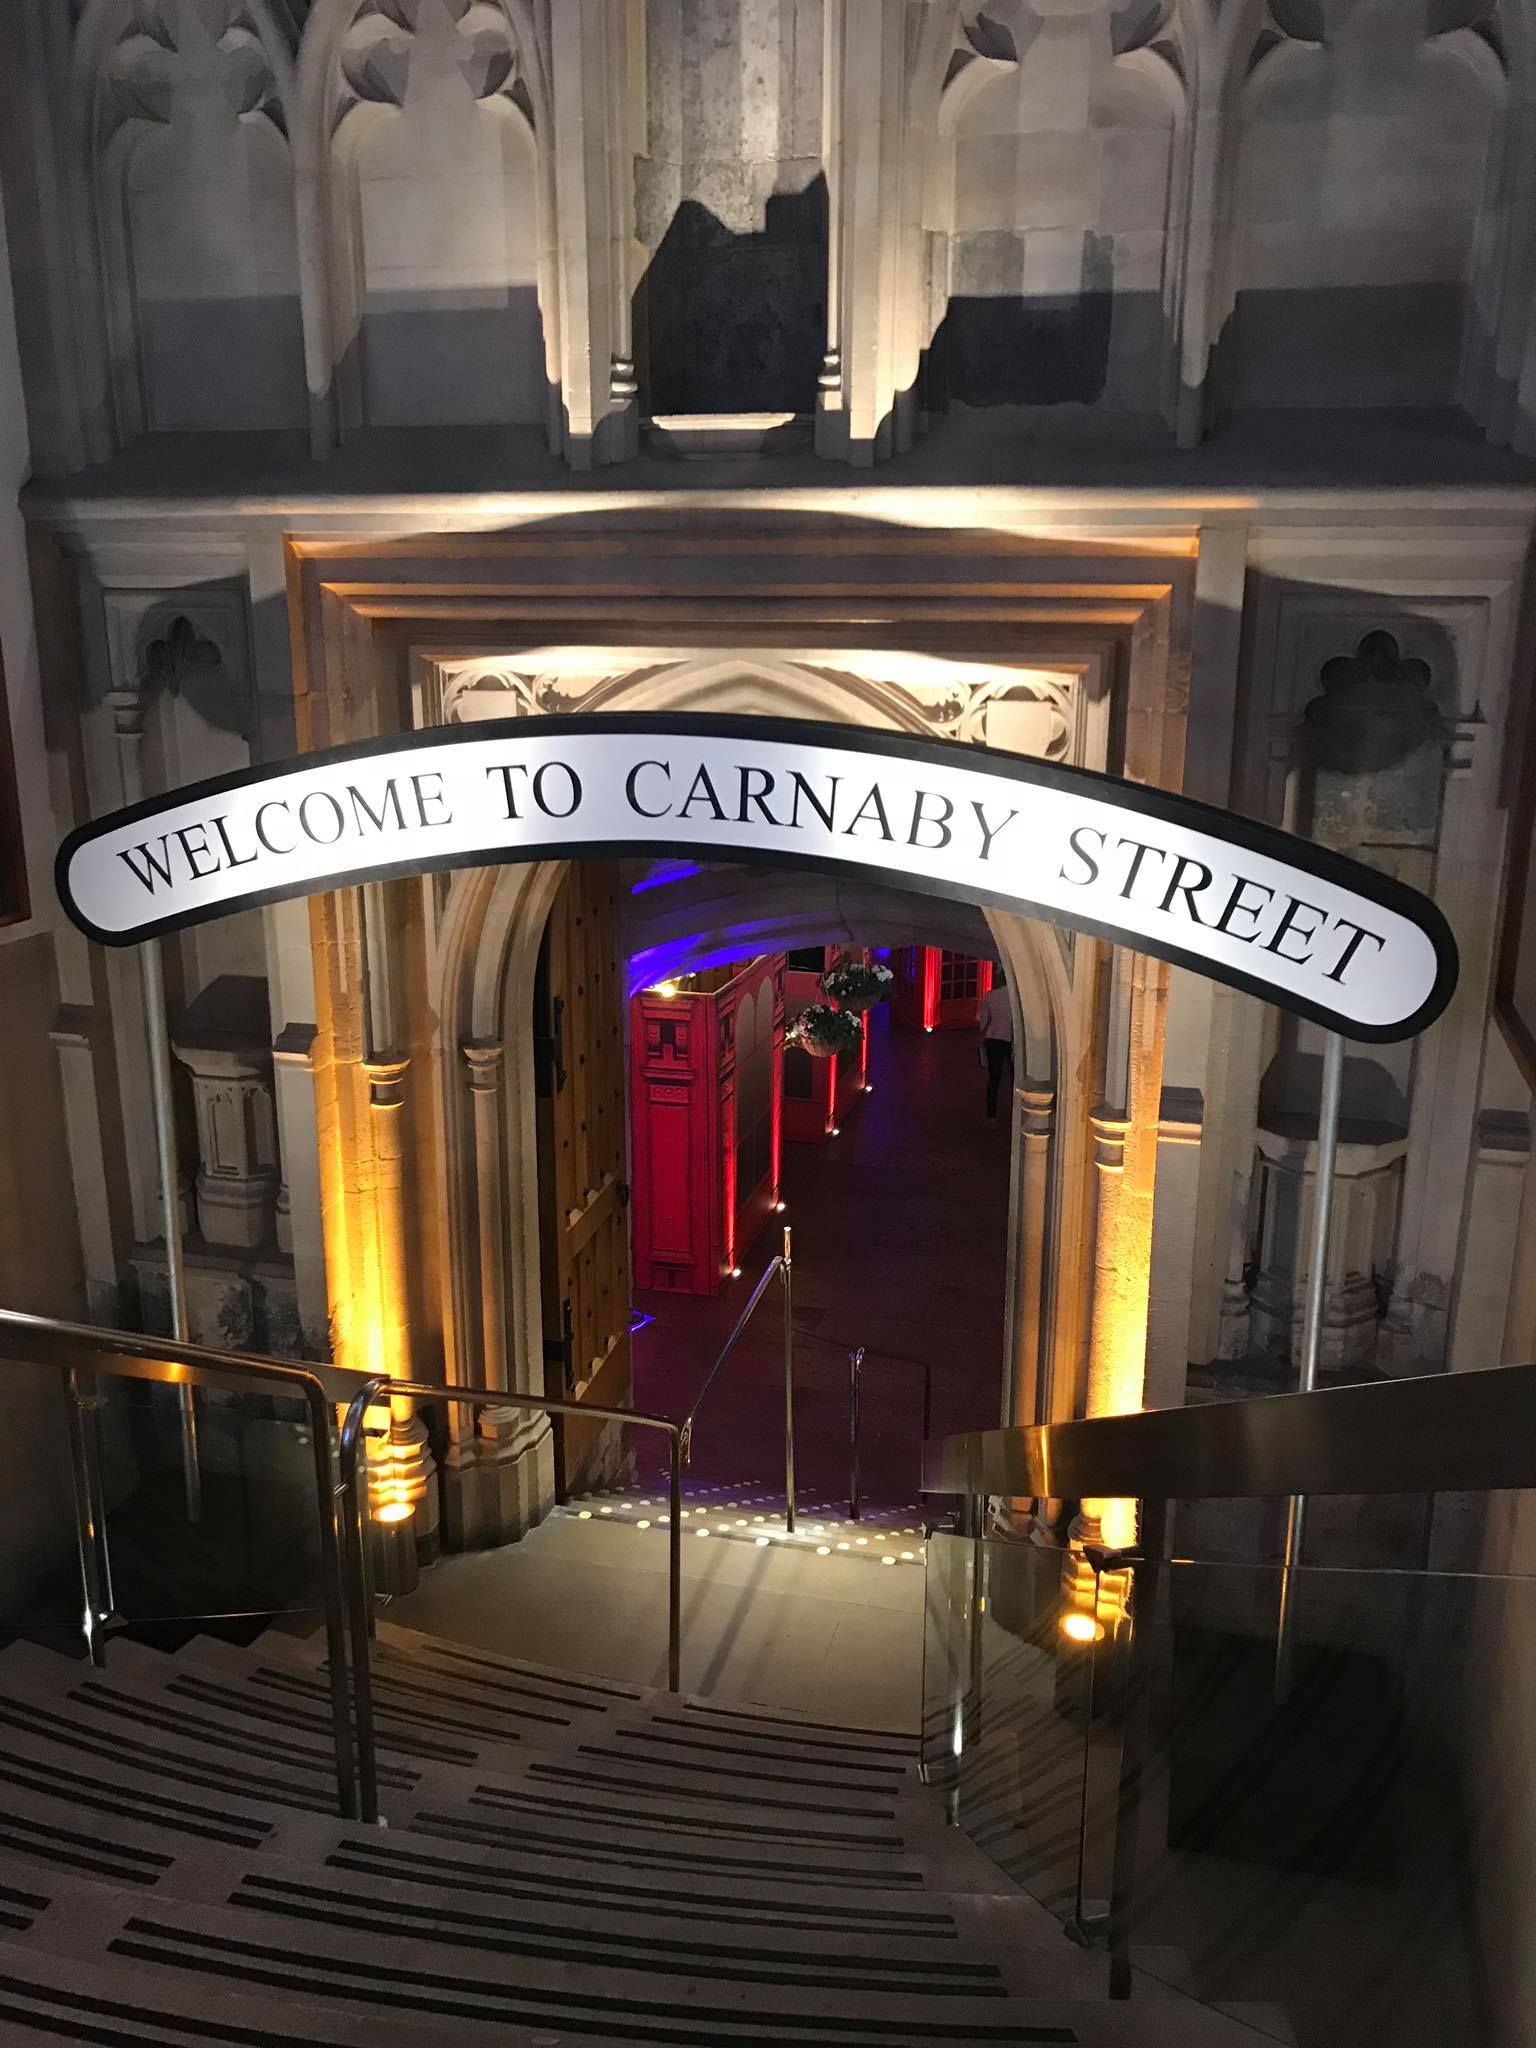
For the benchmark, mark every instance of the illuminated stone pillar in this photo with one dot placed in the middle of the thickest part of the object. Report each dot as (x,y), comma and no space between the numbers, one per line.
(1037,1119)
(485,1092)
(1125,1160)
(409,1456)
(499,1468)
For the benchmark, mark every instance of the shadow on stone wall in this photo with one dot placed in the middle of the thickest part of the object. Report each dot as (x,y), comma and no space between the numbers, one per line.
(726,322)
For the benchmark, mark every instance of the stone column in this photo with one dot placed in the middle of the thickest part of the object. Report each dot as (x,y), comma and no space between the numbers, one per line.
(409,1455)
(1036,1123)
(1496,1215)
(499,1469)
(1170,1302)
(1125,1158)
(594,207)
(129,709)
(872,70)
(293,1082)
(484,1063)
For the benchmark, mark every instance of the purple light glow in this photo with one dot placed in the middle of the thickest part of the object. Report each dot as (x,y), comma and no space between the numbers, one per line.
(696,951)
(663,872)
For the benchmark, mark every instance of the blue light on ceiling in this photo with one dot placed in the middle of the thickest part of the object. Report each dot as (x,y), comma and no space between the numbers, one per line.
(663,872)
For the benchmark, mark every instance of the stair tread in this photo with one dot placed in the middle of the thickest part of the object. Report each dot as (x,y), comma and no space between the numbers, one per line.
(314,1963)
(564,1861)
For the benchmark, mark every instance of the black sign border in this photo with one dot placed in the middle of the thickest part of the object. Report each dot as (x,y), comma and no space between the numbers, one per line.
(1165,805)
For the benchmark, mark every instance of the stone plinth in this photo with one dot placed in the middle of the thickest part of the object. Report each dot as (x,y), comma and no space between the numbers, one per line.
(1367,1190)
(225,1047)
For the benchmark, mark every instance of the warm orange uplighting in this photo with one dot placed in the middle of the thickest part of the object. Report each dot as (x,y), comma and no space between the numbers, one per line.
(1080,1628)
(395,1511)
(665,988)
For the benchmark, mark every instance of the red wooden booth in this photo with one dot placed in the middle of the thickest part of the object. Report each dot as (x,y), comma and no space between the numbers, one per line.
(818,1093)
(706,1059)
(937,991)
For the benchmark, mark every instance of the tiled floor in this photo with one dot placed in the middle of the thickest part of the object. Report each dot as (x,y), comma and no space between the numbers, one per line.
(778,1627)
(900,1245)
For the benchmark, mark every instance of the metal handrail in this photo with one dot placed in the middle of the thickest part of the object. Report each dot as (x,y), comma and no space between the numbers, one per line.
(73,1348)
(856,1360)
(1446,1432)
(353,1455)
(781,1267)
(1463,1431)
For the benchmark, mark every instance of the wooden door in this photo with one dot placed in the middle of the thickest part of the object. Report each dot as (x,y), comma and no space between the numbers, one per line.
(579,1005)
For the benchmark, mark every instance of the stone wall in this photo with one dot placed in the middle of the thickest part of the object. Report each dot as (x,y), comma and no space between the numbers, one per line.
(387,213)
(40,1259)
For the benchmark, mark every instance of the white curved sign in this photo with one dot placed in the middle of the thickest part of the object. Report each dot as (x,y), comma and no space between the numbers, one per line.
(1238,901)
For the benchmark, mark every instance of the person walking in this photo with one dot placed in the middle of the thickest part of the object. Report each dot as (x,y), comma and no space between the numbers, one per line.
(996,1028)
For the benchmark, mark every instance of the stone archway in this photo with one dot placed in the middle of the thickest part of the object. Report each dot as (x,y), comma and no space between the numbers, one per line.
(1069,647)
(490,931)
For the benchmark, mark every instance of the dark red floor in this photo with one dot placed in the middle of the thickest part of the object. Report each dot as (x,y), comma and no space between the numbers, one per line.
(899,1245)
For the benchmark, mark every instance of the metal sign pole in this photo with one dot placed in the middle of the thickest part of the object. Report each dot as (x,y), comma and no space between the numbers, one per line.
(1311,1344)
(160,1076)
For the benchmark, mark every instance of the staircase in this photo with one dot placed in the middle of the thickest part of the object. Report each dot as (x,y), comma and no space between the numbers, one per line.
(567,1860)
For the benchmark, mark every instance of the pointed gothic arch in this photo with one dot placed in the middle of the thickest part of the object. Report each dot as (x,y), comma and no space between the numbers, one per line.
(488,944)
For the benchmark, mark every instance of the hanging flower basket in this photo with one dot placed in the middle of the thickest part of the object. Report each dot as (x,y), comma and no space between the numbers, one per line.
(824,1032)
(855,986)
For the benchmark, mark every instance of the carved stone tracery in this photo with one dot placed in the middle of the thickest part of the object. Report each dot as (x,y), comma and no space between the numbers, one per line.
(387,37)
(175,47)
(1030,711)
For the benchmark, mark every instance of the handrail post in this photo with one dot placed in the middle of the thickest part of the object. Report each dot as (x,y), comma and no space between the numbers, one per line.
(786,1272)
(91,1405)
(1135,1732)
(161,1080)
(89,1535)
(855,1368)
(330,1502)
(1311,1346)
(354,1485)
(675,1563)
